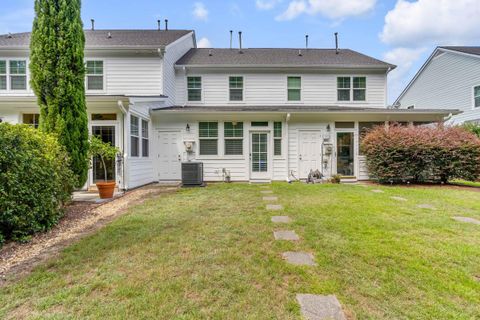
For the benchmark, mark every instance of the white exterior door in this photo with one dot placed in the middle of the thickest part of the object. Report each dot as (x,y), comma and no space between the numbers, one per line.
(259,155)
(169,155)
(309,152)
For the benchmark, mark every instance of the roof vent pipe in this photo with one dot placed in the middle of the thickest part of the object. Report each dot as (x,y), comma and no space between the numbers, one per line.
(166,24)
(93,24)
(336,43)
(158,24)
(240,41)
(231,38)
(306,41)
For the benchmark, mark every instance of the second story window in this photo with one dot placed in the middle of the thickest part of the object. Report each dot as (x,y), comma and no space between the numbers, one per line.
(476,96)
(18,75)
(294,85)
(3,75)
(351,88)
(94,75)
(194,87)
(236,88)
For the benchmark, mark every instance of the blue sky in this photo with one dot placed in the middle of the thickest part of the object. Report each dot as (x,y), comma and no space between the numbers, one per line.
(403,32)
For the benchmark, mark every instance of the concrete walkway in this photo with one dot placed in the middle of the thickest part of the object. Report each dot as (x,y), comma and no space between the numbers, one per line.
(318,307)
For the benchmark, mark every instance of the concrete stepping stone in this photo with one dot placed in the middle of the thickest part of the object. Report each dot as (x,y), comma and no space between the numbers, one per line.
(467,220)
(286,235)
(377,191)
(398,198)
(270,198)
(266,191)
(318,307)
(426,206)
(299,258)
(274,207)
(281,219)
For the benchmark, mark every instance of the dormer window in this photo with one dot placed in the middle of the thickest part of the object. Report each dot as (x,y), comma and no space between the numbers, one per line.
(94,75)
(18,75)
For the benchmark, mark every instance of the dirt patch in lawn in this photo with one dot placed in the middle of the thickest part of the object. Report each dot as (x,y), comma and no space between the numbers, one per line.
(81,219)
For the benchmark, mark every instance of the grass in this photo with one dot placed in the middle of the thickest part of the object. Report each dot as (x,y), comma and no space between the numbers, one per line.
(209,253)
(466,183)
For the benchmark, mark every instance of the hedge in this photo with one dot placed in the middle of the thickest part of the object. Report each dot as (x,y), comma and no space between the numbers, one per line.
(400,154)
(35,181)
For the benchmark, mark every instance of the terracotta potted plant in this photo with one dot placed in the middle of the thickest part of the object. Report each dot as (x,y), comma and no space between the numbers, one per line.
(104,151)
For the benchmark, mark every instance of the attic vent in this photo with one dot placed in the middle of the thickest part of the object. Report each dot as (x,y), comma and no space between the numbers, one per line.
(210,52)
(9,35)
(299,53)
(109,35)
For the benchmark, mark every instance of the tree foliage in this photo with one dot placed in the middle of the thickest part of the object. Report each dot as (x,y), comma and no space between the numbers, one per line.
(35,181)
(58,77)
(400,154)
(103,150)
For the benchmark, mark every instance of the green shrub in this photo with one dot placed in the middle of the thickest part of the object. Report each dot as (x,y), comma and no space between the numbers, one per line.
(473,128)
(400,154)
(35,181)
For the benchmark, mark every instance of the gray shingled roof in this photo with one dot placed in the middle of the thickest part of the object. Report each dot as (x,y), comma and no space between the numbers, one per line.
(302,108)
(470,50)
(99,38)
(280,57)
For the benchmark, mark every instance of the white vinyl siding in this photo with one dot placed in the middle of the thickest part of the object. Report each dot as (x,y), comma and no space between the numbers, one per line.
(270,88)
(447,82)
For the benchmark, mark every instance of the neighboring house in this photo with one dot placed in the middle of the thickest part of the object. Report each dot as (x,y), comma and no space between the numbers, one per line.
(449,79)
(256,114)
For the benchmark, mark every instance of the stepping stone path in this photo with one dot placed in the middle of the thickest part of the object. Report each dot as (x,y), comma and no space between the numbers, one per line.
(299,258)
(274,207)
(398,198)
(266,191)
(318,307)
(426,206)
(467,219)
(270,198)
(281,219)
(286,235)
(377,191)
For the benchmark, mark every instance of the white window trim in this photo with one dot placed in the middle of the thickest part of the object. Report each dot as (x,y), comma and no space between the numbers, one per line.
(351,89)
(27,75)
(243,90)
(301,89)
(473,97)
(104,90)
(201,90)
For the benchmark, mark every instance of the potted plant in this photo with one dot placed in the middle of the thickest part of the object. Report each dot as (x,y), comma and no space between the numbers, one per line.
(104,151)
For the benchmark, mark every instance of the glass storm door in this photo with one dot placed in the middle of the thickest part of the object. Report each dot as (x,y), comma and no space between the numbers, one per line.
(259,155)
(106,134)
(345,154)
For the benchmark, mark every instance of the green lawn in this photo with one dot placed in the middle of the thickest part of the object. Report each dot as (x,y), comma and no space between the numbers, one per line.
(475,184)
(209,253)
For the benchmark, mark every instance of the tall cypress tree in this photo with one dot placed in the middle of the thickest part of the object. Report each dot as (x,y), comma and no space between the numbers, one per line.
(58,77)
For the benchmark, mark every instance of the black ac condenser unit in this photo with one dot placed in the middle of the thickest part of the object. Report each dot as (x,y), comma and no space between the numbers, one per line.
(192,174)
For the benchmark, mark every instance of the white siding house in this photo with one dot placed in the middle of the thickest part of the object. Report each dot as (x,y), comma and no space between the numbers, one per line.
(450,79)
(251,114)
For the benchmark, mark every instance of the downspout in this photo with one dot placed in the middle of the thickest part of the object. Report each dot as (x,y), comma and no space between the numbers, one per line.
(125,120)
(287,150)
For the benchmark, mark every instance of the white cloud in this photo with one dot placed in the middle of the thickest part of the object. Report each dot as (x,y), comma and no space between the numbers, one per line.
(332,9)
(404,58)
(204,43)
(16,21)
(267,4)
(422,22)
(200,12)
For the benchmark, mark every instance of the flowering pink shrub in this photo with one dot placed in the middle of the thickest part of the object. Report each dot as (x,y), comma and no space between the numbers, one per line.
(401,154)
